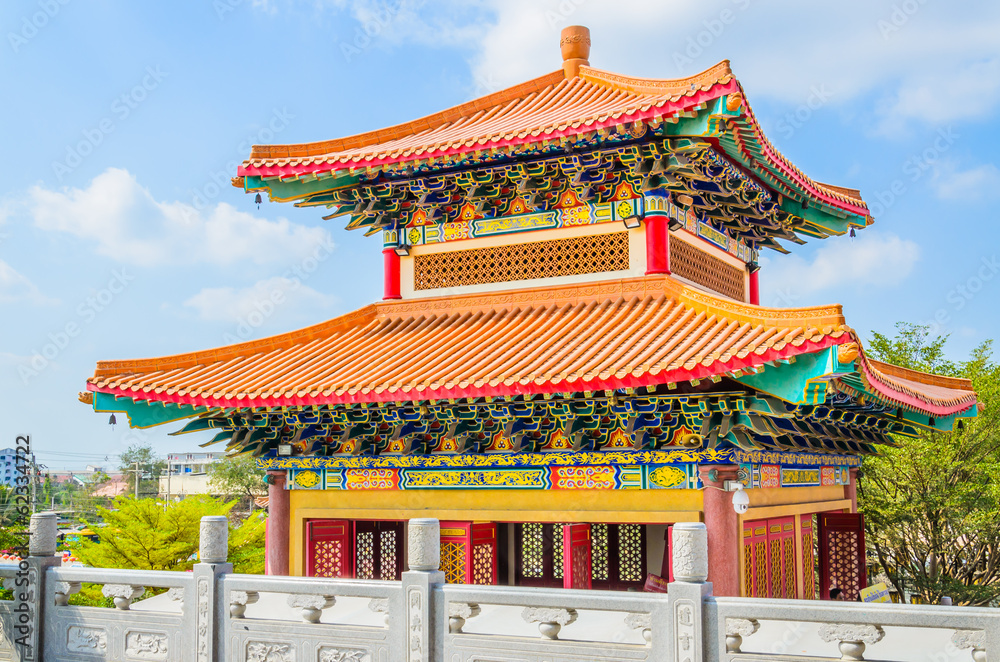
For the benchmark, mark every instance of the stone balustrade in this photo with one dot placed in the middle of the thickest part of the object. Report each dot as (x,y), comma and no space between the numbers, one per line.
(212,614)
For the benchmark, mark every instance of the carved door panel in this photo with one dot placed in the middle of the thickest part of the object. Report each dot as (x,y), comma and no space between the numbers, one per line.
(328,548)
(782,563)
(755,559)
(576,556)
(808,557)
(378,550)
(618,556)
(469,552)
(536,562)
(483,566)
(842,554)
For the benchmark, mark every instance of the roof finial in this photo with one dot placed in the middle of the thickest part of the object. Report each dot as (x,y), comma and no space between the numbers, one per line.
(574,41)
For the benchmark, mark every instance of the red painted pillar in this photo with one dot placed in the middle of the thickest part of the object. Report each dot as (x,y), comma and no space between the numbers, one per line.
(723,526)
(390,262)
(657,245)
(278,513)
(754,286)
(851,490)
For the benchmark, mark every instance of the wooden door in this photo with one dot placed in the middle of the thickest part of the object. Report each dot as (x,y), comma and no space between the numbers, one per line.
(328,548)
(576,556)
(378,550)
(469,552)
(842,554)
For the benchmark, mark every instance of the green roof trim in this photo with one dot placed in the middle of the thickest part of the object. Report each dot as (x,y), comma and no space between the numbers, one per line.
(145,413)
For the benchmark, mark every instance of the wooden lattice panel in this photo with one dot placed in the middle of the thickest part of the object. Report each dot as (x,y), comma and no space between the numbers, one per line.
(808,560)
(482,564)
(453,562)
(329,558)
(387,555)
(532,550)
(699,267)
(599,552)
(541,259)
(630,553)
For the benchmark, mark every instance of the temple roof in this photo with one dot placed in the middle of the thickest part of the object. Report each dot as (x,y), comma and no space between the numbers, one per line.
(612,335)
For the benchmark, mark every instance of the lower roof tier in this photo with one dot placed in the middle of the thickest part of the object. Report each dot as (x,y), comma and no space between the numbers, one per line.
(632,333)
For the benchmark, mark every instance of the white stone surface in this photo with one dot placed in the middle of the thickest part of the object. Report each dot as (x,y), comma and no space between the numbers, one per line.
(43,531)
(214,541)
(690,551)
(424,544)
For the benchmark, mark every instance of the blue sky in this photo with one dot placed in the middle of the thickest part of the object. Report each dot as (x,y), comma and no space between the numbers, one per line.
(120,236)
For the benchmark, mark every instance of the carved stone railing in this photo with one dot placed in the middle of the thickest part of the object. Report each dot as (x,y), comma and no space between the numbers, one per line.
(851,630)
(211,614)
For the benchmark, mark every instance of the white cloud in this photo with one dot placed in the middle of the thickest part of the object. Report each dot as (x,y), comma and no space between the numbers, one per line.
(15,287)
(126,223)
(872,260)
(976,183)
(259,301)
(779,49)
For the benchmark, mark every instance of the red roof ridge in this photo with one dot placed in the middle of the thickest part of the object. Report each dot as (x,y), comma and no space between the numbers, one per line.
(413,127)
(720,73)
(892,370)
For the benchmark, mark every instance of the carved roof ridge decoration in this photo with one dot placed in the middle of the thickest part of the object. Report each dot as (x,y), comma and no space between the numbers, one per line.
(686,86)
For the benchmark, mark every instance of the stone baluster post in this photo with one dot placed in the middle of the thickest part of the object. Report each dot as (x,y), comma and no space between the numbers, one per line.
(29,586)
(689,552)
(209,606)
(422,639)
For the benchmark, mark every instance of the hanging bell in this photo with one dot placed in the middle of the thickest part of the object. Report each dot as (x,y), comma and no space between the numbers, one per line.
(258,200)
(112,421)
(853,234)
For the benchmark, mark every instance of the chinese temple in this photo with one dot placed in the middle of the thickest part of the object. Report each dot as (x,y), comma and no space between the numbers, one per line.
(570,355)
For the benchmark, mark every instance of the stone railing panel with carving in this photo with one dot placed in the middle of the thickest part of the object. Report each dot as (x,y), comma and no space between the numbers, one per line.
(533,624)
(153,632)
(282,619)
(738,629)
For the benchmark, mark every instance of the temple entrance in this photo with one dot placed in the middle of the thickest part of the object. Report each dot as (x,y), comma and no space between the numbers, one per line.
(779,559)
(617,555)
(842,554)
(361,549)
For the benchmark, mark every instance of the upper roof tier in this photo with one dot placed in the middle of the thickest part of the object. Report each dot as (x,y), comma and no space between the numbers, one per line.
(567,113)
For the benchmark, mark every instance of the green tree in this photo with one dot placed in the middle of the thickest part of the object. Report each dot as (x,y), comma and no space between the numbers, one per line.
(147,534)
(237,476)
(932,504)
(141,462)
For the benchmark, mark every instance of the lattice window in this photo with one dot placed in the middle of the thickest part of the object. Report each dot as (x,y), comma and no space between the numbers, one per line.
(482,564)
(532,550)
(365,563)
(808,565)
(599,552)
(630,543)
(700,267)
(788,565)
(328,558)
(387,555)
(540,259)
(453,562)
(844,570)
(760,569)
(776,583)
(557,551)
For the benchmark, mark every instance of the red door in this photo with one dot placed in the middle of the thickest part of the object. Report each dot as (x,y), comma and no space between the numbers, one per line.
(842,554)
(576,556)
(328,548)
(469,552)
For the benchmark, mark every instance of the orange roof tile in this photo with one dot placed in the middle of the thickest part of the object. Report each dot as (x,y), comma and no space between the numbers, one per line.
(632,332)
(548,106)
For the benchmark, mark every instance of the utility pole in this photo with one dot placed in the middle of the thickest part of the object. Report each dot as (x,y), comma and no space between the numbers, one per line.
(138,476)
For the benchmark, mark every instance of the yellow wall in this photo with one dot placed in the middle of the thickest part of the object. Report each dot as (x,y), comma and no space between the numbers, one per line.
(622,506)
